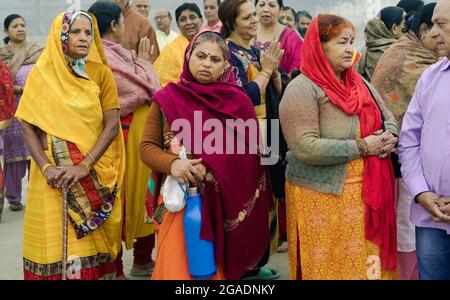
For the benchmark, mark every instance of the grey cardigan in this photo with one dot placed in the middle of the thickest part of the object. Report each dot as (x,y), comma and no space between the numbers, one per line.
(321,137)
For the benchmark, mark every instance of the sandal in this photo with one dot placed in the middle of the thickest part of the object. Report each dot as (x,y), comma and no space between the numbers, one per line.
(16,206)
(138,271)
(264,274)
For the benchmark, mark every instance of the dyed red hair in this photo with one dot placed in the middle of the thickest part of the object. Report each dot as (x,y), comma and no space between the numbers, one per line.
(331,26)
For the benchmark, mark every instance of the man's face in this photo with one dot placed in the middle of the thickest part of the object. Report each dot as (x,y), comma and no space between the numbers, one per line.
(441,27)
(142,7)
(303,22)
(211,11)
(162,20)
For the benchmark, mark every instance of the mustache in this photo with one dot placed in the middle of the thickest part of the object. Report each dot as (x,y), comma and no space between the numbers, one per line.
(302,31)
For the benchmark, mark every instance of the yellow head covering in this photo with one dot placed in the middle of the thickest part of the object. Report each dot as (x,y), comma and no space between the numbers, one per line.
(67,106)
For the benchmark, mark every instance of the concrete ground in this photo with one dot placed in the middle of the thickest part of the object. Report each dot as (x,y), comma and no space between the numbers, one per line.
(11,229)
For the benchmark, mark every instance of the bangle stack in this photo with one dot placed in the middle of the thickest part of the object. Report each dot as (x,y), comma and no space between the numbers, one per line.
(45,167)
(86,166)
(90,155)
(363,147)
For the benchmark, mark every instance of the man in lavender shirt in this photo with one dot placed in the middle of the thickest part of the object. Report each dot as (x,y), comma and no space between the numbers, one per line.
(424,151)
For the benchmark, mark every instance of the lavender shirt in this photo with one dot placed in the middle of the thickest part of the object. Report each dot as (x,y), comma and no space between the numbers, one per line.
(425,141)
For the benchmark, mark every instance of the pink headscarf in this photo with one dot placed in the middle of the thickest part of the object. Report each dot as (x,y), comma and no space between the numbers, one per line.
(135,78)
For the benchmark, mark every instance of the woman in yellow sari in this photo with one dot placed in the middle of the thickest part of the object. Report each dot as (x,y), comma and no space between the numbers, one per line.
(136,83)
(70,115)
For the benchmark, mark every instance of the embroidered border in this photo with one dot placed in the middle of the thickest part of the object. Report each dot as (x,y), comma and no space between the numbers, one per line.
(91,201)
(230,225)
(46,270)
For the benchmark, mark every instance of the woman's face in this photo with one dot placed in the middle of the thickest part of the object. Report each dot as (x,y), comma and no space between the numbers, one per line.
(80,38)
(397,30)
(118,28)
(207,62)
(189,23)
(287,19)
(268,11)
(339,51)
(427,39)
(17,31)
(246,23)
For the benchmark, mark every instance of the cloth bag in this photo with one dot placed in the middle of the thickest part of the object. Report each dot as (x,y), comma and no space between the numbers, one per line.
(173,192)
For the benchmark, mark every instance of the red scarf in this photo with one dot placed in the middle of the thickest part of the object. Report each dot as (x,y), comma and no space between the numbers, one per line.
(238,245)
(7,103)
(354,98)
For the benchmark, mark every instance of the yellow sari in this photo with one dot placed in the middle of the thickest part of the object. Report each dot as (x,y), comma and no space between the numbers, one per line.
(70,108)
(169,64)
(136,187)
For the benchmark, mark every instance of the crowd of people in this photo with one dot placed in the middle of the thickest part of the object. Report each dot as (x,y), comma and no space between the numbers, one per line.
(114,121)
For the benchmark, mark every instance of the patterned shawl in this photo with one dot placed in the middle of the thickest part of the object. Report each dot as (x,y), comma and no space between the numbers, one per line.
(378,39)
(135,78)
(398,71)
(26,55)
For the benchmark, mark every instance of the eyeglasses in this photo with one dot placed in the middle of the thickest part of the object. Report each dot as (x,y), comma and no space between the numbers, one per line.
(161,17)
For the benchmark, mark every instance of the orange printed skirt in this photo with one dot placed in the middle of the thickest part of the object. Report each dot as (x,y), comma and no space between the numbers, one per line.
(326,233)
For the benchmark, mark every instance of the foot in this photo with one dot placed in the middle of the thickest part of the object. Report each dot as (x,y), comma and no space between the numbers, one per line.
(264,274)
(142,271)
(283,248)
(16,206)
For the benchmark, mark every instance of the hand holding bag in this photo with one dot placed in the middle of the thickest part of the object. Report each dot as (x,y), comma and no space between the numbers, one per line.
(173,192)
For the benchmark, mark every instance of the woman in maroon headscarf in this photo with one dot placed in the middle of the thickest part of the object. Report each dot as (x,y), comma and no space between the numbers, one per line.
(235,208)
(339,191)
(7,110)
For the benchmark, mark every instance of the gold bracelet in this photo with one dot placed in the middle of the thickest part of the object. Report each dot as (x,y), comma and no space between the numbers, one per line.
(265,74)
(90,155)
(45,167)
(86,166)
(363,150)
(366,147)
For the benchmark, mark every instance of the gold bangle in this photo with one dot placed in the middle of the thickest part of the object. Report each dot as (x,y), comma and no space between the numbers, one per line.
(366,147)
(86,166)
(45,167)
(363,149)
(265,74)
(90,155)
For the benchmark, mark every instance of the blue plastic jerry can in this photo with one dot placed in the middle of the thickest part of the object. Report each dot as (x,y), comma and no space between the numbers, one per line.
(200,253)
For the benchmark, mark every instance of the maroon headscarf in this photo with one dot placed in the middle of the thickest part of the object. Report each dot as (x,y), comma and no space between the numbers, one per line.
(235,211)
